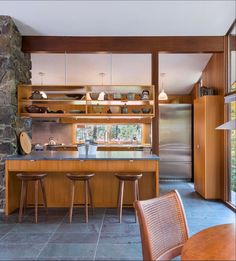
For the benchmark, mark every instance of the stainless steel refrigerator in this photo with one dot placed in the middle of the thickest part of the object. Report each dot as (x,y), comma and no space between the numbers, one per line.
(175,139)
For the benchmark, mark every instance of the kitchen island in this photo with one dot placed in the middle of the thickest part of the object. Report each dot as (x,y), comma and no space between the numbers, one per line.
(104,185)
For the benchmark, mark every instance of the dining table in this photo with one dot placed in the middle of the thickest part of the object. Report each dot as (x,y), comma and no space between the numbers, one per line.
(214,243)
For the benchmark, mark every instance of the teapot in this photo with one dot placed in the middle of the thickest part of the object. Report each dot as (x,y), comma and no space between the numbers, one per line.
(52,141)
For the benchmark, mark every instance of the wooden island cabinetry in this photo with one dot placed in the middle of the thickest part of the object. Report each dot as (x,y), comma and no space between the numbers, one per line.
(208,146)
(104,184)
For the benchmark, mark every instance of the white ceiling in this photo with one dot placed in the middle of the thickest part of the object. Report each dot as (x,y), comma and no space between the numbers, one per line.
(121,18)
(182,70)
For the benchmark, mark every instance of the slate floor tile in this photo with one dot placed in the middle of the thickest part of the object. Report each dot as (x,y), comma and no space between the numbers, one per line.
(5,228)
(20,238)
(119,252)
(78,228)
(129,229)
(20,251)
(35,228)
(76,238)
(115,238)
(66,251)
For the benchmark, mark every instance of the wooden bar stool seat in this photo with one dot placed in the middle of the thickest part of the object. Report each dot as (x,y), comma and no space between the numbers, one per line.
(36,178)
(87,189)
(122,178)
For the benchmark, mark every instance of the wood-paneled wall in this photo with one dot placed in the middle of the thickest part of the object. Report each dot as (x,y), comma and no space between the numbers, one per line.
(213,74)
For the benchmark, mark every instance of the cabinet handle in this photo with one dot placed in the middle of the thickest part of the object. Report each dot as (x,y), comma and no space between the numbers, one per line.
(131,160)
(81,160)
(198,146)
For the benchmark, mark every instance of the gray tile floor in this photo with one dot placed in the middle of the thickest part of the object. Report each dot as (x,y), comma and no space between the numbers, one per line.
(103,238)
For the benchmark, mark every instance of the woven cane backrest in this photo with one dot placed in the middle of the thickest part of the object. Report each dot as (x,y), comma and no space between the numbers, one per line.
(163,226)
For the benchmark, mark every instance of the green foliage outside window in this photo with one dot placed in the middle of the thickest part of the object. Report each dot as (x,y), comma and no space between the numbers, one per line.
(117,133)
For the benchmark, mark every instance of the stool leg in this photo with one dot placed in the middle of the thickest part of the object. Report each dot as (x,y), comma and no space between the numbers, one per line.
(121,195)
(137,189)
(90,196)
(25,201)
(36,200)
(86,200)
(72,199)
(44,196)
(22,197)
(135,197)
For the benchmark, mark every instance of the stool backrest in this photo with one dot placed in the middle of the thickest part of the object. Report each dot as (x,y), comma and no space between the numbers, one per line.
(163,226)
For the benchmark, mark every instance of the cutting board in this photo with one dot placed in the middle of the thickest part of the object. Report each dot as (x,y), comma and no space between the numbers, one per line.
(25,143)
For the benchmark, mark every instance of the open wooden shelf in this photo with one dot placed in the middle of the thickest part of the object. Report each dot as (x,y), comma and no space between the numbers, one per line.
(57,100)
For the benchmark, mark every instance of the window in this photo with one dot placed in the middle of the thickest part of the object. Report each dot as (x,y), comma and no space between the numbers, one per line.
(112,133)
(232,116)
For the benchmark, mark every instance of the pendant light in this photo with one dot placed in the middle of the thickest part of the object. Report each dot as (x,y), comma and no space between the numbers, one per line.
(162,95)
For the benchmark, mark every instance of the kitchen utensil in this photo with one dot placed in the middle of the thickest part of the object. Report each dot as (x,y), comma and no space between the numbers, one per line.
(36,109)
(131,96)
(145,95)
(36,95)
(25,143)
(116,96)
(124,109)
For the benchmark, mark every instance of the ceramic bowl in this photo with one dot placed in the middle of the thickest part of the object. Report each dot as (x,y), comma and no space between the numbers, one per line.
(135,111)
(94,96)
(146,110)
(115,109)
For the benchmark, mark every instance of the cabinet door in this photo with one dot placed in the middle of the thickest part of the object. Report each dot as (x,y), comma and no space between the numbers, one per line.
(199,146)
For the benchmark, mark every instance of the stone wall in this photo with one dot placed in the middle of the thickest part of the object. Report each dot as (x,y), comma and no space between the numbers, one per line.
(14,69)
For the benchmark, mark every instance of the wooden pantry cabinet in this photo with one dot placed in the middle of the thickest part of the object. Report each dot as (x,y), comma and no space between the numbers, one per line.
(208,146)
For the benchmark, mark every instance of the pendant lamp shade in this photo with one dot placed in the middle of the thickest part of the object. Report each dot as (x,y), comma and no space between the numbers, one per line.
(162,95)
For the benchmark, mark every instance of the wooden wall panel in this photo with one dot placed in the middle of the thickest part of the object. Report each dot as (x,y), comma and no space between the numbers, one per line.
(213,74)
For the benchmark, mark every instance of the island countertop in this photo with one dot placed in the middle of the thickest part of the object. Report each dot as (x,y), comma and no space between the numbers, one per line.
(74,155)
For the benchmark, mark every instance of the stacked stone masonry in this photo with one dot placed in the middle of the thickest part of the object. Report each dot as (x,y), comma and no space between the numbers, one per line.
(15,68)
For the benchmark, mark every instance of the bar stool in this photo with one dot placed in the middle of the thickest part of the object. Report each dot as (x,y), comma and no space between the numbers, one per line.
(36,178)
(86,179)
(122,178)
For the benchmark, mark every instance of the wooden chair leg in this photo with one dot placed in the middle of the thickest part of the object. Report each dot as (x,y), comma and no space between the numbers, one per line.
(86,200)
(22,198)
(44,196)
(90,197)
(121,192)
(72,199)
(36,200)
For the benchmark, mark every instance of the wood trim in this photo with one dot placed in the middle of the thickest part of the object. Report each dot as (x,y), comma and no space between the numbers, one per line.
(155,120)
(135,44)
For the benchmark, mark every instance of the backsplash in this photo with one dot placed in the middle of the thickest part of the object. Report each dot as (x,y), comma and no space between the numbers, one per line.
(42,131)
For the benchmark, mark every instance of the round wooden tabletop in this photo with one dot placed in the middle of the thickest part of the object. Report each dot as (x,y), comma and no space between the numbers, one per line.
(214,243)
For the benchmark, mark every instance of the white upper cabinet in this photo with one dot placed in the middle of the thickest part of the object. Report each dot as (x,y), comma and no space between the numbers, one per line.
(86,69)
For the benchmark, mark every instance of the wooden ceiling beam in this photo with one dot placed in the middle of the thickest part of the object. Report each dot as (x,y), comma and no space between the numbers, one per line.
(175,44)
